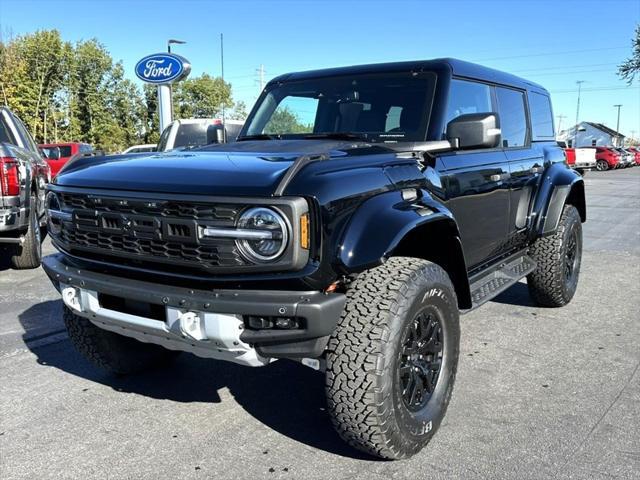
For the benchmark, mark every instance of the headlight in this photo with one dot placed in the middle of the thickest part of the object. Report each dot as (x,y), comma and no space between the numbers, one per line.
(272,245)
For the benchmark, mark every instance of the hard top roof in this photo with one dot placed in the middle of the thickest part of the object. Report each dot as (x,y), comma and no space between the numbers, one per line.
(457,67)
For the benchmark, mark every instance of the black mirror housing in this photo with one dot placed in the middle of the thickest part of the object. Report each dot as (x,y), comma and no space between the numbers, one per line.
(474,130)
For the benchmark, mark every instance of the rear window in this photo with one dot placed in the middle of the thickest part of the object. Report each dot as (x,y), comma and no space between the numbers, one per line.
(192,135)
(65,151)
(541,116)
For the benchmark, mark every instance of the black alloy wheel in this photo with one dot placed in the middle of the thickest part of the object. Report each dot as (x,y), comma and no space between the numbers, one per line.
(421,359)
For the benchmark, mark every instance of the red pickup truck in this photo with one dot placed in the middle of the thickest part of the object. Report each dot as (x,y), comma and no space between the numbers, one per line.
(67,150)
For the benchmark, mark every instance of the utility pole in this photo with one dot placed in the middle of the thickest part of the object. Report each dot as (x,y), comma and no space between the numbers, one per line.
(618,125)
(261,77)
(575,136)
(560,118)
(224,128)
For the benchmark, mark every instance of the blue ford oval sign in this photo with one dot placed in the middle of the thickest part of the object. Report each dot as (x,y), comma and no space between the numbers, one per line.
(162,68)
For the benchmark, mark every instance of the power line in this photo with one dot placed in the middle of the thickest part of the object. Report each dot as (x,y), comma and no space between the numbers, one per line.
(595,89)
(563,67)
(567,73)
(566,52)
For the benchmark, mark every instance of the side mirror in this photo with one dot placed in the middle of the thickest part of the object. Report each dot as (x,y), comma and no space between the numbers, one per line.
(474,130)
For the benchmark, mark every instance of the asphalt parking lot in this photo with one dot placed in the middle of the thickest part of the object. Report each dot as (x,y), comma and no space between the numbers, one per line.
(540,393)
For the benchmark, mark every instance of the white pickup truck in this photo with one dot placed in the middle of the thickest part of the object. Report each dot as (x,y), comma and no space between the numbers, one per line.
(195,132)
(581,159)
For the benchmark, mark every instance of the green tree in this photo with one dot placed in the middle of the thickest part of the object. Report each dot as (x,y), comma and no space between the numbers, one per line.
(201,97)
(631,67)
(150,114)
(76,92)
(284,120)
(239,111)
(32,68)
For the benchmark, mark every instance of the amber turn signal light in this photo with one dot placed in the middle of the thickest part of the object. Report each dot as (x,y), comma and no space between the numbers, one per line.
(304,231)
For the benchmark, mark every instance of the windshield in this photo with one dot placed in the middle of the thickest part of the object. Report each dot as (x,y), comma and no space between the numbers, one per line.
(386,108)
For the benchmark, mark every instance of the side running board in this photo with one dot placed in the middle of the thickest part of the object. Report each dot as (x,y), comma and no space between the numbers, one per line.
(497,278)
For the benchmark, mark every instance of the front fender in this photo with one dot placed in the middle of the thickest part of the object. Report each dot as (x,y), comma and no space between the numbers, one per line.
(558,184)
(380,224)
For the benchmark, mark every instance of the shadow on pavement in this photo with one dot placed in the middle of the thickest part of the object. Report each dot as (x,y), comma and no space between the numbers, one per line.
(286,396)
(5,255)
(516,295)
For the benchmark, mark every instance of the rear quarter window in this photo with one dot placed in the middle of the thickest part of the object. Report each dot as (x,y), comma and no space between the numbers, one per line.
(541,116)
(65,151)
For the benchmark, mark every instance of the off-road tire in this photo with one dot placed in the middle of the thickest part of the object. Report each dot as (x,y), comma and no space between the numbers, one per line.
(114,353)
(364,354)
(549,285)
(29,254)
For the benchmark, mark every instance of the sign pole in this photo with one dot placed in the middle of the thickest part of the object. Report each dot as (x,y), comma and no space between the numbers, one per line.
(164,106)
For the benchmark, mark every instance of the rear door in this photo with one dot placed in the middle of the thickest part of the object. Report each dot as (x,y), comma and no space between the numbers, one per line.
(476,181)
(525,161)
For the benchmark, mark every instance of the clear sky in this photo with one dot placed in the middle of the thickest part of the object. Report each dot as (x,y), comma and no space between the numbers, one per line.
(554,43)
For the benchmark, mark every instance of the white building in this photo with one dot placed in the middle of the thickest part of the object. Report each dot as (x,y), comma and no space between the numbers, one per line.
(591,134)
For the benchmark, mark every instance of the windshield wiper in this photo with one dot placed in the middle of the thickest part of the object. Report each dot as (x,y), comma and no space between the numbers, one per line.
(338,136)
(259,136)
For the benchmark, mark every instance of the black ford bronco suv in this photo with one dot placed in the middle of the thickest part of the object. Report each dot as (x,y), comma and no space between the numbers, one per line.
(361,210)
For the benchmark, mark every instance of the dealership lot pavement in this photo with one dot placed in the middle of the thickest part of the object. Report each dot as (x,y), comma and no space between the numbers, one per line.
(540,393)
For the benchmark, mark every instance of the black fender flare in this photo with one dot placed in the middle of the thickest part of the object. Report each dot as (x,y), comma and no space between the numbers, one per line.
(558,186)
(388,224)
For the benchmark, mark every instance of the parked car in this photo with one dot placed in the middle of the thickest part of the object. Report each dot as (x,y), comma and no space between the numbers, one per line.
(607,158)
(67,150)
(349,240)
(636,153)
(630,156)
(24,175)
(196,132)
(581,159)
(148,147)
(627,159)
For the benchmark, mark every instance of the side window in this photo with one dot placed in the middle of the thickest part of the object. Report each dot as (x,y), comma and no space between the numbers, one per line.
(27,141)
(85,148)
(513,118)
(6,135)
(468,97)
(541,116)
(65,151)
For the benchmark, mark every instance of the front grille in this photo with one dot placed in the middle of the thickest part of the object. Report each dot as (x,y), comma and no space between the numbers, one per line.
(221,214)
(150,231)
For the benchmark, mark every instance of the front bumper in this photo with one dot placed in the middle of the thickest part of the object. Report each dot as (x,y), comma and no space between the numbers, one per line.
(221,313)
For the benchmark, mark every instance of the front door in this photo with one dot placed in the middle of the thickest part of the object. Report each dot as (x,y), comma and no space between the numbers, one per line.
(476,182)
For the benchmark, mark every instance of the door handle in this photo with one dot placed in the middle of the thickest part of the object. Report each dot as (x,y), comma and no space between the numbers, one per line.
(536,170)
(499,176)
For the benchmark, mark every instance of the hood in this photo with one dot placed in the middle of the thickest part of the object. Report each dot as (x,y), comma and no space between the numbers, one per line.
(235,169)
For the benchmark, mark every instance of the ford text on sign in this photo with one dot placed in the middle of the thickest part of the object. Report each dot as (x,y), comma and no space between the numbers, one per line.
(162,68)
